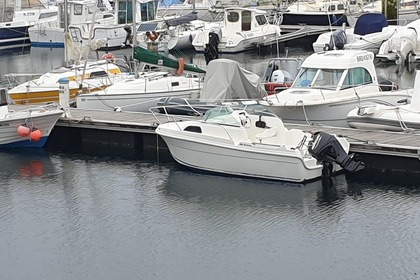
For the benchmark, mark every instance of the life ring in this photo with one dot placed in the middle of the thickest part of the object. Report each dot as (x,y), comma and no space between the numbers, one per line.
(153,36)
(109,56)
(181,66)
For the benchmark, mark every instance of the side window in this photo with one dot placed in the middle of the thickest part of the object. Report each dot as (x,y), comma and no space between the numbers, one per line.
(246,20)
(78,9)
(356,77)
(233,17)
(261,19)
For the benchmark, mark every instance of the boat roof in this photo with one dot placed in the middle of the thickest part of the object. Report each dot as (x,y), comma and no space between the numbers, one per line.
(339,59)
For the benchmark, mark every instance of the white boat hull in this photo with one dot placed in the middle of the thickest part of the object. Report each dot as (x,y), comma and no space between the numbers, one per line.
(42,120)
(243,160)
(331,113)
(388,118)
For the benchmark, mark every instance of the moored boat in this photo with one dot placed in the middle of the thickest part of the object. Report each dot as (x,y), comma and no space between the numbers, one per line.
(329,85)
(405,117)
(28,128)
(95,75)
(252,142)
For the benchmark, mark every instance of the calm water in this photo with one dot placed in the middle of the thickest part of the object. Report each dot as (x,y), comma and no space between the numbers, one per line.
(65,216)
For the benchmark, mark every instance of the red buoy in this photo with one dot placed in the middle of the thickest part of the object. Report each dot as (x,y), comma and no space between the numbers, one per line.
(35,135)
(23,130)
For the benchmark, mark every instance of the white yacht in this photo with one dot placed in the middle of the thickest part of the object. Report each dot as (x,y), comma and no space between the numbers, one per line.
(329,85)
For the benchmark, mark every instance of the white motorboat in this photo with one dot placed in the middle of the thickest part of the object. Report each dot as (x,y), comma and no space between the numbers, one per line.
(369,32)
(172,33)
(92,76)
(392,118)
(254,143)
(243,29)
(28,128)
(79,12)
(17,19)
(403,45)
(329,85)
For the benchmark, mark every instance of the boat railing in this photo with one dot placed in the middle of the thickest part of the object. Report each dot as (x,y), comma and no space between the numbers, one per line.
(14,79)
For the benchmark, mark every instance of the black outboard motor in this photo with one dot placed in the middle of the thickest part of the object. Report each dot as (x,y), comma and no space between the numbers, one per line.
(211,50)
(327,149)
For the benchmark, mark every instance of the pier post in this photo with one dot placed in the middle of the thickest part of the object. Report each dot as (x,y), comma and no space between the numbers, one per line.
(64,96)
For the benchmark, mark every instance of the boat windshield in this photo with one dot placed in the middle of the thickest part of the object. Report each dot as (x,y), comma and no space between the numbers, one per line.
(319,78)
(222,115)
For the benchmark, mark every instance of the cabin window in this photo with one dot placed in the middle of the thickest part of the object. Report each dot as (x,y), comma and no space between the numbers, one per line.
(328,78)
(340,7)
(125,12)
(98,74)
(233,16)
(331,8)
(357,76)
(78,9)
(246,20)
(261,19)
(305,77)
(191,128)
(47,15)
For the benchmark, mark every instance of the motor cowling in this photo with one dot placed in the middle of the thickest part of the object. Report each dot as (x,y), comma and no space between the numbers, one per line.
(326,148)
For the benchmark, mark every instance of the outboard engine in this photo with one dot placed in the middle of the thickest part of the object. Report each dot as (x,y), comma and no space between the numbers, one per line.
(337,41)
(327,149)
(211,50)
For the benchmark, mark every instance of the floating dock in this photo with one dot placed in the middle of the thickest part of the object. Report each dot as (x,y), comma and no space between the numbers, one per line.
(132,135)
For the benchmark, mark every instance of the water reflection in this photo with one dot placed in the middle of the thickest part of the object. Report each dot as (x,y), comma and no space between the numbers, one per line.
(24,163)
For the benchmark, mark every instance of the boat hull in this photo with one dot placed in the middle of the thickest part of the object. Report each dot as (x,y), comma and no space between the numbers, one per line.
(333,113)
(44,121)
(44,37)
(396,119)
(136,102)
(14,36)
(247,160)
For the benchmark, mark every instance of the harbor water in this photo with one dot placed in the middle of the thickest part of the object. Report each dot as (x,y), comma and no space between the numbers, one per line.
(71,216)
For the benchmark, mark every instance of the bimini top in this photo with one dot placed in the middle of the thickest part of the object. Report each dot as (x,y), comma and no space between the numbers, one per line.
(339,59)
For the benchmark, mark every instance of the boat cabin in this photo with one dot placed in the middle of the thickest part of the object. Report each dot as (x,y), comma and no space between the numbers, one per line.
(337,70)
(242,19)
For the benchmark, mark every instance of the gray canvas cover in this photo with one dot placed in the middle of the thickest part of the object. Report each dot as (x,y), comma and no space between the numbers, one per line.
(226,80)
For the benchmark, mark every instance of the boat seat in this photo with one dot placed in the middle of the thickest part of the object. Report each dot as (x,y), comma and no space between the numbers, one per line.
(268,133)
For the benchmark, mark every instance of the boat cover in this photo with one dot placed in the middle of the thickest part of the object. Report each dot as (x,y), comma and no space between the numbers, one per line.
(181,20)
(225,80)
(370,23)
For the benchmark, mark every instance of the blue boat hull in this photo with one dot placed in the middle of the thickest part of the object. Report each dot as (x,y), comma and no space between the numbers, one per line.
(26,144)
(11,37)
